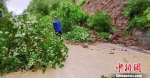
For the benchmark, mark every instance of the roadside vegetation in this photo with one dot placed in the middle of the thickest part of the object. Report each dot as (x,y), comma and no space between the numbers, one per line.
(138,13)
(107,77)
(73,19)
(28,42)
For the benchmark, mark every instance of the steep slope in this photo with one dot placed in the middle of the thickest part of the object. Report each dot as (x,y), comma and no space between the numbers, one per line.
(115,10)
(113,7)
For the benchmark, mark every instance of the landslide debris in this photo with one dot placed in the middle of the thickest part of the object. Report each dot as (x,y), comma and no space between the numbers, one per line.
(114,8)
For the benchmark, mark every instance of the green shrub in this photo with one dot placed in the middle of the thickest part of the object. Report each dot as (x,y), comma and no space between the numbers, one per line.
(147,13)
(100,22)
(107,77)
(78,34)
(70,15)
(104,34)
(3,7)
(138,13)
(33,44)
(54,4)
(67,12)
(83,2)
(43,7)
(113,29)
(136,7)
(80,16)
(104,76)
(5,24)
(64,13)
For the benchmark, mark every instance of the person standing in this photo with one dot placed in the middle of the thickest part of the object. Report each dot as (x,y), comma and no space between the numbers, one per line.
(1,14)
(57,27)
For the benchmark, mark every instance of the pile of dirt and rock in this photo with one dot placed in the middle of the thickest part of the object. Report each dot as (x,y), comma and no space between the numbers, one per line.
(114,8)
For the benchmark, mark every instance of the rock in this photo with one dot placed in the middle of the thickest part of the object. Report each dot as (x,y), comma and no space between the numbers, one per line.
(114,49)
(85,46)
(124,49)
(111,53)
(138,33)
(27,67)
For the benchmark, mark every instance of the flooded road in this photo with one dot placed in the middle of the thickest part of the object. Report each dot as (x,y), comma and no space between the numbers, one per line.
(91,62)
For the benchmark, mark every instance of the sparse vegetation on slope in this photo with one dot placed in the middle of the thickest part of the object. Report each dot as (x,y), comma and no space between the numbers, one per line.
(138,12)
(100,22)
(125,16)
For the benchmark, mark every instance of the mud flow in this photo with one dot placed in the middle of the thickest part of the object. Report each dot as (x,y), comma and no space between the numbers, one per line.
(92,62)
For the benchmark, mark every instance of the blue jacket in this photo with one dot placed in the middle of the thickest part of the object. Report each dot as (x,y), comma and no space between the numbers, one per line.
(57,26)
(0,15)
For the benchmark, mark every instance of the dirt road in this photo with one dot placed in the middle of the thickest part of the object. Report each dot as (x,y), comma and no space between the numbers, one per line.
(92,62)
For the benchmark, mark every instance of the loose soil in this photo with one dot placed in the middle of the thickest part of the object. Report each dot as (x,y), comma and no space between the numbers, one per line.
(114,8)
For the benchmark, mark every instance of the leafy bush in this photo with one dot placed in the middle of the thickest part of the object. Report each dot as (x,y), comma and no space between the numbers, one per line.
(43,7)
(5,24)
(78,34)
(79,16)
(100,22)
(106,77)
(104,34)
(64,13)
(113,29)
(70,15)
(31,44)
(136,7)
(138,13)
(83,2)
(3,7)
(67,12)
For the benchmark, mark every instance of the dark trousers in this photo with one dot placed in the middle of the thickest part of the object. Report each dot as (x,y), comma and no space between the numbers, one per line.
(58,34)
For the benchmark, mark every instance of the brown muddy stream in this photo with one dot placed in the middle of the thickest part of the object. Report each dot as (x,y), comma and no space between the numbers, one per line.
(91,62)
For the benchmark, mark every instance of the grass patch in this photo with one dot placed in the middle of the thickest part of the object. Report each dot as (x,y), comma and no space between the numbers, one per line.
(125,60)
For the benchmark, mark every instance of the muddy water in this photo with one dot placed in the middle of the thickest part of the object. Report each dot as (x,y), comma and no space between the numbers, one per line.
(91,62)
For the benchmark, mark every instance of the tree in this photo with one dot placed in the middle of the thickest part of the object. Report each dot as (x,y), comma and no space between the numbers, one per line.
(42,6)
(3,6)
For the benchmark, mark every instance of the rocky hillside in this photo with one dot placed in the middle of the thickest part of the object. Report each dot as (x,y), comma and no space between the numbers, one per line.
(115,10)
